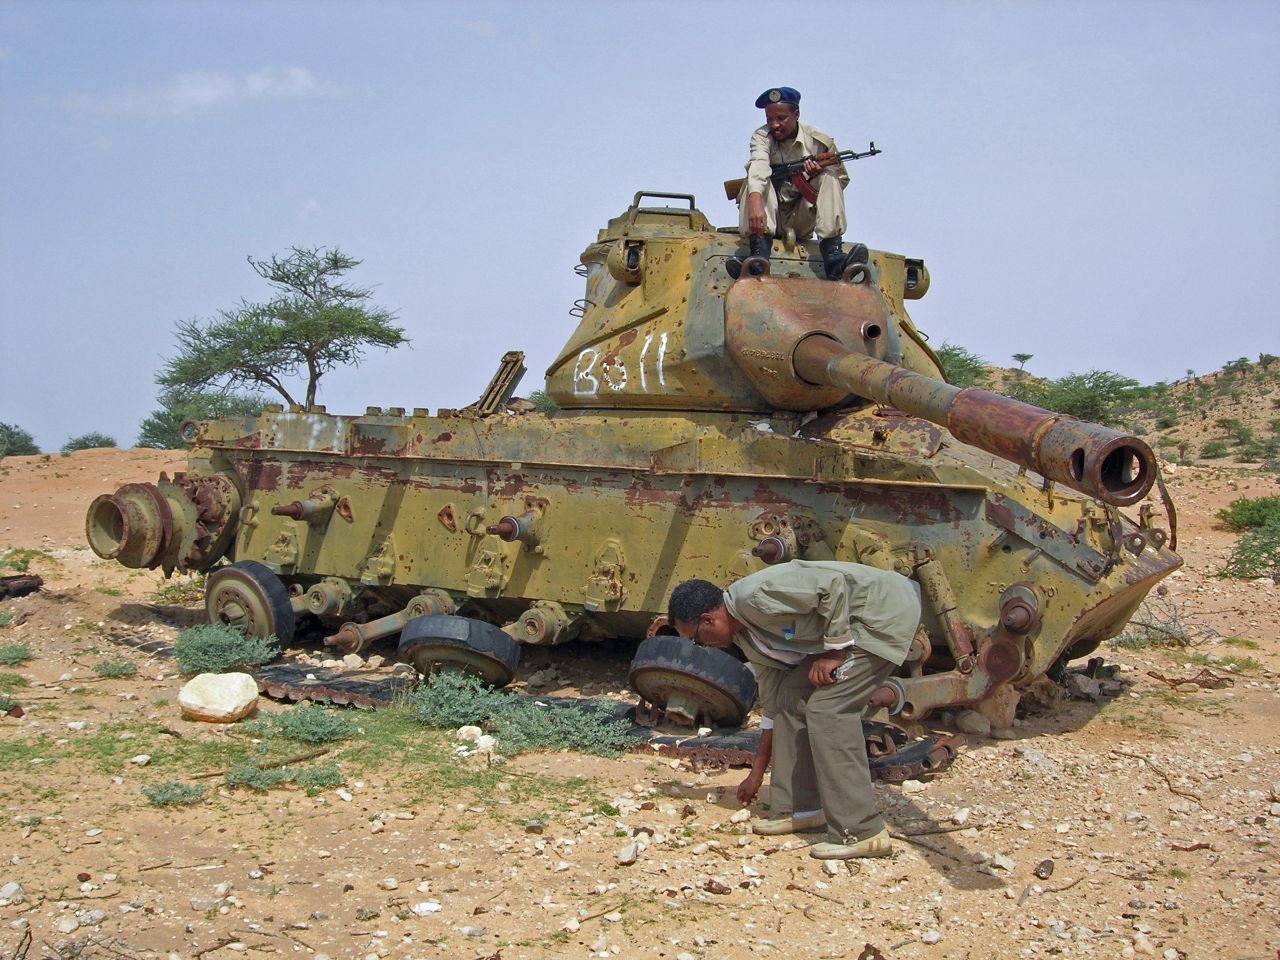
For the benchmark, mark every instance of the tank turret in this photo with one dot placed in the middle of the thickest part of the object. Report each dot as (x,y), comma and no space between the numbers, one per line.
(706,427)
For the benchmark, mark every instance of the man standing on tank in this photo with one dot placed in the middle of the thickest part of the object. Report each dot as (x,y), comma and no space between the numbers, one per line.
(831,633)
(809,202)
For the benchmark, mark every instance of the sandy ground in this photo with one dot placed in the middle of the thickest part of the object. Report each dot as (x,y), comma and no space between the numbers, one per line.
(1158,811)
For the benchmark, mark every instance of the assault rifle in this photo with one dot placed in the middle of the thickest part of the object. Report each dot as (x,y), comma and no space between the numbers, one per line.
(785,171)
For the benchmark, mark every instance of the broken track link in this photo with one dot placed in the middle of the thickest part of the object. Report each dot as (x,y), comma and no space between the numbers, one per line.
(892,756)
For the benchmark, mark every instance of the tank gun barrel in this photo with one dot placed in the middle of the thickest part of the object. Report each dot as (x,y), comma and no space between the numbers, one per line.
(1106,464)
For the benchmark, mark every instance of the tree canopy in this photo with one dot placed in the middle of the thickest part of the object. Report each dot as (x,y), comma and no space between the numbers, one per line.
(163,428)
(315,323)
(14,441)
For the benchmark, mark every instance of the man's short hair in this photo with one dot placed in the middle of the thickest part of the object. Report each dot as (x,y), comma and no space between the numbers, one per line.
(691,599)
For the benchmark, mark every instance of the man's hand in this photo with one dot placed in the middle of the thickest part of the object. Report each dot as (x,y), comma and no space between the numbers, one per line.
(824,665)
(749,787)
(755,213)
(812,168)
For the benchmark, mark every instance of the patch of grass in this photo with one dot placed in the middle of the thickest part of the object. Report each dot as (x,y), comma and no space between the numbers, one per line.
(1256,554)
(12,681)
(116,668)
(181,591)
(1244,642)
(13,654)
(312,724)
(7,703)
(249,774)
(6,618)
(215,648)
(451,699)
(1177,873)
(109,591)
(1239,664)
(321,776)
(19,559)
(173,794)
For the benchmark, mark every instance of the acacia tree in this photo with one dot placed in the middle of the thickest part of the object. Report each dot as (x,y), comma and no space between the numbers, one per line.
(163,428)
(316,322)
(15,441)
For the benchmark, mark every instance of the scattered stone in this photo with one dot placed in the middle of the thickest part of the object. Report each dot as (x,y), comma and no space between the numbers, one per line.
(470,733)
(913,786)
(534,826)
(717,887)
(12,892)
(67,925)
(1003,733)
(613,917)
(389,883)
(740,816)
(1082,687)
(472,931)
(1044,869)
(141,760)
(830,868)
(425,908)
(628,854)
(930,936)
(219,697)
(960,817)
(973,722)
(353,661)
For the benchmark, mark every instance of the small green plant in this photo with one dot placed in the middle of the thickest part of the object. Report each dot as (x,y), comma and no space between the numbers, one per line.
(249,774)
(1167,421)
(216,648)
(322,776)
(6,618)
(454,699)
(12,654)
(1238,664)
(109,591)
(181,591)
(173,794)
(1177,873)
(1244,642)
(19,559)
(88,441)
(313,724)
(116,668)
(365,914)
(1257,552)
(12,681)
(1248,513)
(7,703)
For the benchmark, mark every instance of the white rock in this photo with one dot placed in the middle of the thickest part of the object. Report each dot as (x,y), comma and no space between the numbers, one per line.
(486,743)
(470,733)
(913,786)
(343,795)
(960,817)
(141,759)
(740,816)
(425,908)
(353,661)
(12,892)
(219,697)
(67,925)
(971,721)
(389,883)
(613,917)
(930,936)
(830,868)
(1001,862)
(627,855)
(572,925)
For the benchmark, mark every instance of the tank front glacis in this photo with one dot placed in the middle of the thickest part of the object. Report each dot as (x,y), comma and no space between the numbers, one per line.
(666,462)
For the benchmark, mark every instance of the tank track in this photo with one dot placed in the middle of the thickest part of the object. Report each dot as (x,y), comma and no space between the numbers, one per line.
(892,755)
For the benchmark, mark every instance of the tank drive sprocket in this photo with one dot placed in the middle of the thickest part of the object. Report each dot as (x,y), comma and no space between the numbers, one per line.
(248,596)
(692,682)
(446,642)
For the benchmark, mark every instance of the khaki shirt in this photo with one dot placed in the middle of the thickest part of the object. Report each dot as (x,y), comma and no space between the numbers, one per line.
(765,151)
(809,606)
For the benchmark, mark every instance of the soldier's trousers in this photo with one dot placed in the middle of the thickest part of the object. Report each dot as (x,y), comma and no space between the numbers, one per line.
(826,217)
(818,747)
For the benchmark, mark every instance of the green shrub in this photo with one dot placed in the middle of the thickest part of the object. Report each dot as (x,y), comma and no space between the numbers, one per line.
(962,367)
(216,648)
(116,668)
(16,442)
(173,794)
(1167,421)
(1214,450)
(450,699)
(7,703)
(313,724)
(1256,554)
(249,774)
(1248,513)
(6,618)
(88,441)
(321,776)
(12,654)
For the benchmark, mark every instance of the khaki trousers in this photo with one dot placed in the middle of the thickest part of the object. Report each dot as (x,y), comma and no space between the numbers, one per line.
(826,217)
(818,745)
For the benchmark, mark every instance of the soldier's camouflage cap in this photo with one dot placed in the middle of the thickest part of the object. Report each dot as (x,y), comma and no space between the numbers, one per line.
(779,95)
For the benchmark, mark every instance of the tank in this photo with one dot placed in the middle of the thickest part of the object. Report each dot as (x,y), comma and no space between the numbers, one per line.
(706,426)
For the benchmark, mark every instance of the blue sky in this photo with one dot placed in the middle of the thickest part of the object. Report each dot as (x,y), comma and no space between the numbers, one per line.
(1095,184)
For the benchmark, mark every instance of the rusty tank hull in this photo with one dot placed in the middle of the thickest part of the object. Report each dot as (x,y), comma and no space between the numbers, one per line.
(706,426)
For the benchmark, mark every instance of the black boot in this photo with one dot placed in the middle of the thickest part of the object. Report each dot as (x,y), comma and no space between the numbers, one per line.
(759,246)
(833,256)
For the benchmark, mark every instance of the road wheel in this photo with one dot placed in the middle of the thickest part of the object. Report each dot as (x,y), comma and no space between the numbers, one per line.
(691,682)
(249,597)
(446,642)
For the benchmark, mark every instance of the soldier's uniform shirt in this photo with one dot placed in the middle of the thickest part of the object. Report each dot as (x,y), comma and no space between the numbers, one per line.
(790,612)
(785,207)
